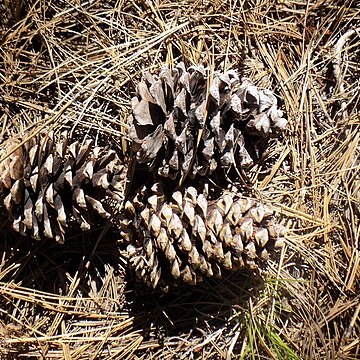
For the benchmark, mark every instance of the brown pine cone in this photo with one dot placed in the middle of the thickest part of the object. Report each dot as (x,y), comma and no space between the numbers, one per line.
(189,122)
(191,237)
(47,187)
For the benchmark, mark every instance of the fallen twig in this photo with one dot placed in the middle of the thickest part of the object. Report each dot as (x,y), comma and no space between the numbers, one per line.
(337,64)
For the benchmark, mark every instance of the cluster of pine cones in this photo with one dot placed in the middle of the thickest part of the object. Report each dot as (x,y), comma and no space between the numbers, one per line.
(184,216)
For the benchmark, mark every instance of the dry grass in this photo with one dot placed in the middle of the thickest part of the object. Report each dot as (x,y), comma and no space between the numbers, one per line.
(74,64)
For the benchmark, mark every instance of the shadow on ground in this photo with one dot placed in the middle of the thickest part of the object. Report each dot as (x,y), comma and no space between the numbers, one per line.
(192,312)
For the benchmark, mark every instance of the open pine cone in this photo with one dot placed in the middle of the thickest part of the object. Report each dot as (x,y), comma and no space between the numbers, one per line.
(189,122)
(191,237)
(47,186)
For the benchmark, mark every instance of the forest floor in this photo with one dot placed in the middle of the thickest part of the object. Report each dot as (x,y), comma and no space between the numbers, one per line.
(73,64)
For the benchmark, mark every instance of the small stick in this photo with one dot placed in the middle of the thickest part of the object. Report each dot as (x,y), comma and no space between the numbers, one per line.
(337,63)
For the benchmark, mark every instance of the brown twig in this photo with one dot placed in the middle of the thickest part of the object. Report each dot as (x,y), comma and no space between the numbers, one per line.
(337,64)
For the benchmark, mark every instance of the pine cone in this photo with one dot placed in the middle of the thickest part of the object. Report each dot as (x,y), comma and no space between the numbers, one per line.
(190,237)
(185,122)
(47,187)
